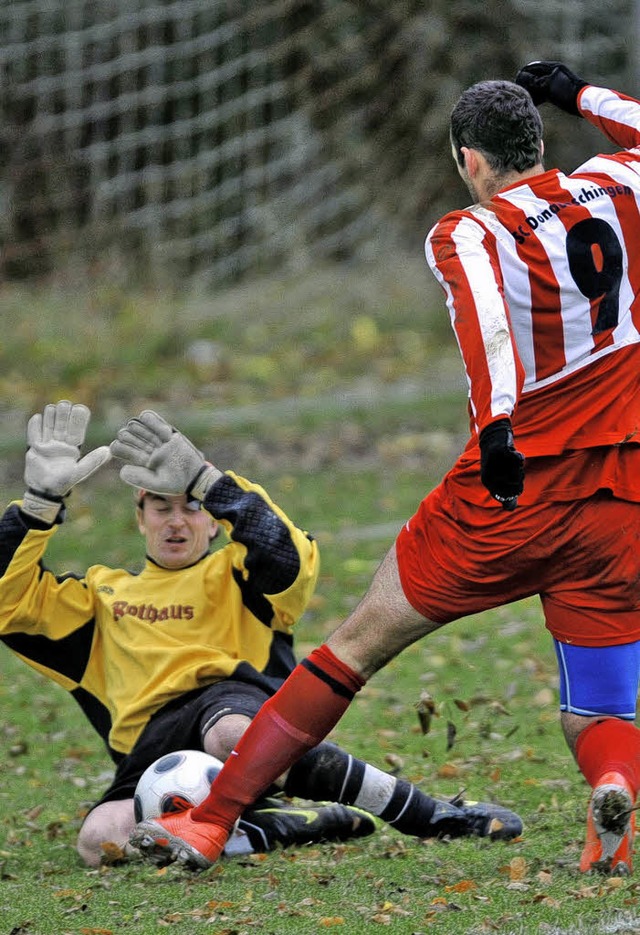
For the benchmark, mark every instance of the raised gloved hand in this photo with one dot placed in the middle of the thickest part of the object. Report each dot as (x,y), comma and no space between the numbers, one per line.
(160,459)
(53,464)
(552,82)
(501,465)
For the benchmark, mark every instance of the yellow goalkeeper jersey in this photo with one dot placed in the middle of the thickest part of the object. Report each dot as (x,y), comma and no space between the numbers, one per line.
(125,644)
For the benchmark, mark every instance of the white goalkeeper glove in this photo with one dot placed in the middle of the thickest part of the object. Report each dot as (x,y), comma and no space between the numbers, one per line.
(53,464)
(160,459)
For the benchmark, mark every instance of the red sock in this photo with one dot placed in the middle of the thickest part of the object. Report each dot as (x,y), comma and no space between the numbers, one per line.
(297,718)
(610,745)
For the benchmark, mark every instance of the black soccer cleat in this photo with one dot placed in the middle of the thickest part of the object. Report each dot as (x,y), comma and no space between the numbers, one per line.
(457,819)
(272,822)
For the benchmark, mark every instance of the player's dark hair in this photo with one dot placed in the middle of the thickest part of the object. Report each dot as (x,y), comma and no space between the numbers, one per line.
(499,119)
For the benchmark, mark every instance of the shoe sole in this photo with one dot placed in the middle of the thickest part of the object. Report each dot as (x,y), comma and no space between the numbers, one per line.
(611,807)
(163,848)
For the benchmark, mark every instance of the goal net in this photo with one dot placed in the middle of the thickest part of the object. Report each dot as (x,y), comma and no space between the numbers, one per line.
(211,139)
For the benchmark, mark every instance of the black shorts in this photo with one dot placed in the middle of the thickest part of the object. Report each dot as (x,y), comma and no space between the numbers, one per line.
(181,725)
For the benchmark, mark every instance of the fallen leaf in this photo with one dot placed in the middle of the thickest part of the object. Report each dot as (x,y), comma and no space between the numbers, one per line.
(448,771)
(54,830)
(613,883)
(584,892)
(544,900)
(440,904)
(517,868)
(112,854)
(395,761)
(32,813)
(426,709)
(461,887)
(5,874)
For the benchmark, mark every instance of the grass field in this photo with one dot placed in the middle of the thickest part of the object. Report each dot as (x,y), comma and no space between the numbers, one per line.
(343,396)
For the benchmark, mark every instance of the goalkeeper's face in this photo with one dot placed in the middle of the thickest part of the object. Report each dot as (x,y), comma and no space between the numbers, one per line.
(176,533)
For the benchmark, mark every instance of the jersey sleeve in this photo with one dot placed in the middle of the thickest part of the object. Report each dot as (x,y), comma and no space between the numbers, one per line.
(616,115)
(273,557)
(32,599)
(462,254)
(48,621)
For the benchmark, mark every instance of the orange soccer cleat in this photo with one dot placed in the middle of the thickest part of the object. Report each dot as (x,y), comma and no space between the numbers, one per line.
(178,838)
(610,827)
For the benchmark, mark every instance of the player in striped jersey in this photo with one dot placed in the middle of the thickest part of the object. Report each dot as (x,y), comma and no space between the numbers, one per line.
(542,279)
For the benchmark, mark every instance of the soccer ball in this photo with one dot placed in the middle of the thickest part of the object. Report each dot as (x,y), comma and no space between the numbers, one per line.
(174,782)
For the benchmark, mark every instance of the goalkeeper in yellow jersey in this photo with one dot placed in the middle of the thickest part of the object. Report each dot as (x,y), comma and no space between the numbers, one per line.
(183,653)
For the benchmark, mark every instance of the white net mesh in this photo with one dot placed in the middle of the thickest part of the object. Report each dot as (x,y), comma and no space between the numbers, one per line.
(177,123)
(216,138)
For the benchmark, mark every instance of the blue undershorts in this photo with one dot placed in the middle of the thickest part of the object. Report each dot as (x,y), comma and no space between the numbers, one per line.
(597,680)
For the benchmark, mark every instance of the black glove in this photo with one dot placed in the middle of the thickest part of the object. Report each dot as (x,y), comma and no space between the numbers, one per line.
(552,82)
(501,466)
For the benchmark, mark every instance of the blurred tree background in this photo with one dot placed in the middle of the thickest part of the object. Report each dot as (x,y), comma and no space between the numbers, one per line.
(206,142)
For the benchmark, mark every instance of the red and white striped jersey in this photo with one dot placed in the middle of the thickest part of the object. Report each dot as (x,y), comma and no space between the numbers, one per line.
(543,288)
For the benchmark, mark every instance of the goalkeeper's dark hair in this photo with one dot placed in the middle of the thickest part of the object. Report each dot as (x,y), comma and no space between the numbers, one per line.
(499,119)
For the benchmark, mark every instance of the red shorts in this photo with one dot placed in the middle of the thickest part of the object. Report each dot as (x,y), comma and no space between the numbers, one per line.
(457,558)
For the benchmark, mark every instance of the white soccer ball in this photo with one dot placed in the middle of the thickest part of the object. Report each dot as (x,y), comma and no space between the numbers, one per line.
(174,782)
